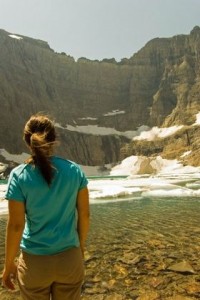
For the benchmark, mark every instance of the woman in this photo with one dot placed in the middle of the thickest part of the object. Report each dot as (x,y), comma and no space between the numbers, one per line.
(48,220)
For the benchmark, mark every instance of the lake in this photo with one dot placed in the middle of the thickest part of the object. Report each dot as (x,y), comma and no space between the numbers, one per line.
(144,240)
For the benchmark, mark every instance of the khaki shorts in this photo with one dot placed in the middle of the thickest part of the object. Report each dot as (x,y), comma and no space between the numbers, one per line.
(56,277)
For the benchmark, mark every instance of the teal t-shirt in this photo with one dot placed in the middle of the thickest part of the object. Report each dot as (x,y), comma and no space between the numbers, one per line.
(51,221)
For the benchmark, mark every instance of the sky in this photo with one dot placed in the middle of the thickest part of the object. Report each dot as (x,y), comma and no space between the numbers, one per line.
(98,29)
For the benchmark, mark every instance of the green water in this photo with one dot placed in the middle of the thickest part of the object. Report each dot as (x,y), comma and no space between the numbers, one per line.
(132,243)
(158,233)
(146,217)
(3,181)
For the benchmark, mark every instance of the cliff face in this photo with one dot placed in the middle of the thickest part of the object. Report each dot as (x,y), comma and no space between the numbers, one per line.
(177,60)
(158,86)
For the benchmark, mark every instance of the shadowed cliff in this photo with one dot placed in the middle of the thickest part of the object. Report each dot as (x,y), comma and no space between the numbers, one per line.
(158,86)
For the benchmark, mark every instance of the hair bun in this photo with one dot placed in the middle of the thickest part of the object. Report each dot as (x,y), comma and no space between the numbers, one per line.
(39,134)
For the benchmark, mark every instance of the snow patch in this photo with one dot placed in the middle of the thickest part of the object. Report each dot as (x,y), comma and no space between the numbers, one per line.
(13,36)
(96,130)
(88,118)
(197,119)
(135,165)
(142,133)
(18,158)
(114,112)
(157,132)
(186,153)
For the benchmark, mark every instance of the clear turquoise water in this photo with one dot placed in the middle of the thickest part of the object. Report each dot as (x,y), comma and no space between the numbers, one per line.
(144,218)
(159,231)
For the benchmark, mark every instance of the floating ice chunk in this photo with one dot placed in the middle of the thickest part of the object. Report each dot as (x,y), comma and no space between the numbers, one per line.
(114,200)
(163,186)
(3,188)
(177,168)
(114,192)
(193,185)
(100,189)
(3,207)
(179,192)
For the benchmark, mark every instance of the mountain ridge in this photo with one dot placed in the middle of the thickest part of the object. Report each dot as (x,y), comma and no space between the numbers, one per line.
(158,86)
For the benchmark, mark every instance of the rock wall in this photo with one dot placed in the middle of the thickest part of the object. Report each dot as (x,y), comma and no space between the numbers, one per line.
(158,86)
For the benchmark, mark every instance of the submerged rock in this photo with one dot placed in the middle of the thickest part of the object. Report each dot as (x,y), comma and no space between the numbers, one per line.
(182,267)
(179,297)
(149,296)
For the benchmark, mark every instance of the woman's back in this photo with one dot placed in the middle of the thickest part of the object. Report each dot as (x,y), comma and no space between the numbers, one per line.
(50,210)
(48,220)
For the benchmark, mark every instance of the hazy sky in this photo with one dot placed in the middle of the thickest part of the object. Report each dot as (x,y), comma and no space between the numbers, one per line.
(99,29)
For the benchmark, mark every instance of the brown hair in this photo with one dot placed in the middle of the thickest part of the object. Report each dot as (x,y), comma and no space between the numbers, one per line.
(40,136)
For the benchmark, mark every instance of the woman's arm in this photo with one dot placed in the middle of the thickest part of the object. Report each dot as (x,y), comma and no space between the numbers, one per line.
(83,216)
(15,227)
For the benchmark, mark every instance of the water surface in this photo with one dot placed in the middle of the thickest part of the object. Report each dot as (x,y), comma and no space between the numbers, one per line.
(136,238)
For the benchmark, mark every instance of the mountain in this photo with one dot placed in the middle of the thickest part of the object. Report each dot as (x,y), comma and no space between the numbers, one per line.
(98,105)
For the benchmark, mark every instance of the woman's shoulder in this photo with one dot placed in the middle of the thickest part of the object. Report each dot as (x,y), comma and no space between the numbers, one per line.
(65,162)
(19,169)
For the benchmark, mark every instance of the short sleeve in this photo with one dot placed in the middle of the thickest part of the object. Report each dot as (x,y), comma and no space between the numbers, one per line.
(83,180)
(14,191)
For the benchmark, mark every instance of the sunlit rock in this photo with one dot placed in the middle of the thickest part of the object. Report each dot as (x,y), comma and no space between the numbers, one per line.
(182,267)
